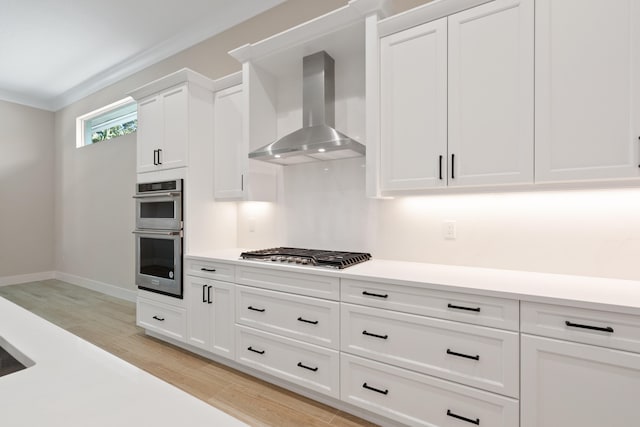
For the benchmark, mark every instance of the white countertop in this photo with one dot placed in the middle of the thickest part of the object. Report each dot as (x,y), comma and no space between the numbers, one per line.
(580,291)
(76,384)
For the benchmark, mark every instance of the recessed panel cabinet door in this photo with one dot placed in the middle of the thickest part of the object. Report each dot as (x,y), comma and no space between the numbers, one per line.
(176,125)
(587,89)
(227,139)
(413,126)
(149,134)
(491,94)
(569,384)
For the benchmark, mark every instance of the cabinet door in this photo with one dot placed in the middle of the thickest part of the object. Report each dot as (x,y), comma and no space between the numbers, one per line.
(587,89)
(149,134)
(413,122)
(228,136)
(176,134)
(198,296)
(223,318)
(569,384)
(491,94)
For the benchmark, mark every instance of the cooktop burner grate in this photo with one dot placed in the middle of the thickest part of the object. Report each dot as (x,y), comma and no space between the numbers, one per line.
(312,257)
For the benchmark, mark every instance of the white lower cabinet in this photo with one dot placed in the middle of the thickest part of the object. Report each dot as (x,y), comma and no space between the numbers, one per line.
(573,384)
(312,320)
(474,355)
(162,318)
(420,400)
(311,366)
(210,304)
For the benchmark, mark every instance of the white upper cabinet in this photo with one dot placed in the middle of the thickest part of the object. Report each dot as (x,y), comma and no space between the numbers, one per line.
(174,120)
(149,134)
(163,131)
(456,100)
(491,94)
(413,73)
(227,136)
(587,90)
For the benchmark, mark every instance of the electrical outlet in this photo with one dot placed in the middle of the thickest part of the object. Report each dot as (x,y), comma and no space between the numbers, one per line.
(252,225)
(449,229)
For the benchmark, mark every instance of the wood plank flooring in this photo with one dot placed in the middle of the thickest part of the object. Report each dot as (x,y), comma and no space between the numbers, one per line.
(110,323)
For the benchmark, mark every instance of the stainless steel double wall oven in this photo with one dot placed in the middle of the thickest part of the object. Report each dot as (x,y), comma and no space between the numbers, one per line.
(159,237)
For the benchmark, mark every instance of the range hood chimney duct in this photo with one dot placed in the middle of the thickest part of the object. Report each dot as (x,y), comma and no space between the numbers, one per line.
(318,139)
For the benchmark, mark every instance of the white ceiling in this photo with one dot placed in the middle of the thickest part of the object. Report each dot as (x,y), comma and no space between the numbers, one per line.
(56,52)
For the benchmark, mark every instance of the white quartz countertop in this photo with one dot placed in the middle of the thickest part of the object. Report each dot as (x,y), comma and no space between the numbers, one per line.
(76,384)
(581,291)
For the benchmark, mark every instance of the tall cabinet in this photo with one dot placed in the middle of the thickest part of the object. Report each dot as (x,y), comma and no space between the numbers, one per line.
(587,90)
(456,100)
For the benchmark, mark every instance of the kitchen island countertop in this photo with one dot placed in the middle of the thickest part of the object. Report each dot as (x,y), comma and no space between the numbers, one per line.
(76,384)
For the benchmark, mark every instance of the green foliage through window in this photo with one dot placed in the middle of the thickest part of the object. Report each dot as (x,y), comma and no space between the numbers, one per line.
(108,122)
(112,132)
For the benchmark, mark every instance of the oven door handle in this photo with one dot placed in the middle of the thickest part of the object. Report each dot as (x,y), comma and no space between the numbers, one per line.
(144,196)
(158,233)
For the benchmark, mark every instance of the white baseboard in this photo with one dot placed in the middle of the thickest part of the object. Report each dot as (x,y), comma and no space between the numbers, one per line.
(94,285)
(25,278)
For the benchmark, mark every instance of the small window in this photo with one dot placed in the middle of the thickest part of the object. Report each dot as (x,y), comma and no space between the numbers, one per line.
(111,121)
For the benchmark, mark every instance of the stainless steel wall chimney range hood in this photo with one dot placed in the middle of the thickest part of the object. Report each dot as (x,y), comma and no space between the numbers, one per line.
(318,139)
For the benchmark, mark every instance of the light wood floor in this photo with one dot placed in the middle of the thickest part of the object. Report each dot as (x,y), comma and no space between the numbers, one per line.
(110,324)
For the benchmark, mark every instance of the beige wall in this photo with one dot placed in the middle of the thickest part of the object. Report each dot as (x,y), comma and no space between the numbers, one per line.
(26,190)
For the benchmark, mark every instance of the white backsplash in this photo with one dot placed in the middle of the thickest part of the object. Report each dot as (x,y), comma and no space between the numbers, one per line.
(323,205)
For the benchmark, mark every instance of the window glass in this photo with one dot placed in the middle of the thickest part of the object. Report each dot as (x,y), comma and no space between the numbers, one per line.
(111,121)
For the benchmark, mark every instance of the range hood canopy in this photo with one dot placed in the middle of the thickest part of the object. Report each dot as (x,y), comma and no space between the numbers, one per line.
(318,139)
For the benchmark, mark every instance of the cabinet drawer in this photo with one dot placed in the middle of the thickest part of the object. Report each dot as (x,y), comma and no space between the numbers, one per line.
(310,366)
(312,285)
(210,269)
(162,318)
(480,310)
(313,320)
(420,400)
(604,328)
(474,355)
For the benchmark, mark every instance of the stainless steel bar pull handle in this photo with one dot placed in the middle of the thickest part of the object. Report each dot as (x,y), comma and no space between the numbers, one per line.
(168,194)
(157,233)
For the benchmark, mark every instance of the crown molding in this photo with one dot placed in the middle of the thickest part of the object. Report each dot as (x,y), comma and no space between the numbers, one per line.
(233,15)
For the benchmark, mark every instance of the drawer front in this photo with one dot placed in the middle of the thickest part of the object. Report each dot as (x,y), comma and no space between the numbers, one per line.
(316,368)
(479,310)
(603,328)
(473,355)
(312,285)
(210,269)
(162,318)
(420,400)
(312,320)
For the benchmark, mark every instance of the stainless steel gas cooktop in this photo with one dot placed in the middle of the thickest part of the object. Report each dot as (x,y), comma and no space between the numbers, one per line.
(308,257)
